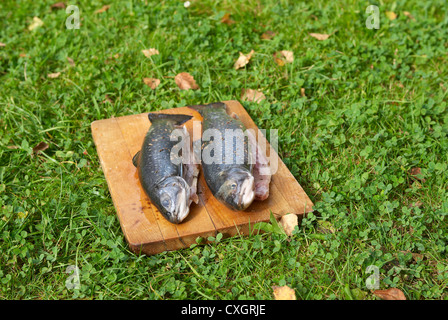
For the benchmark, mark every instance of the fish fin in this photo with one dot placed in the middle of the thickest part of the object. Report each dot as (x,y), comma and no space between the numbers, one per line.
(201,107)
(136,159)
(178,119)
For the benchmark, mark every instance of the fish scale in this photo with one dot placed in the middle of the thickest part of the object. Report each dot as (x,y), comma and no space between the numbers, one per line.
(218,175)
(161,179)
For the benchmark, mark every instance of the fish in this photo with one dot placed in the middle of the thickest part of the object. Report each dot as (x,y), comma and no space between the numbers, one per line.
(228,175)
(169,182)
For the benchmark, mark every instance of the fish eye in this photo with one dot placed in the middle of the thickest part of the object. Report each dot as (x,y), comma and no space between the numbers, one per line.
(233,185)
(166,202)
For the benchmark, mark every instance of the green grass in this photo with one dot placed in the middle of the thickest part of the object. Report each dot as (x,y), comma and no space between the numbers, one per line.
(375,108)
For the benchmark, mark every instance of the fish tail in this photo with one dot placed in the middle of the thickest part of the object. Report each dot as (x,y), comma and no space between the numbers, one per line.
(201,107)
(178,119)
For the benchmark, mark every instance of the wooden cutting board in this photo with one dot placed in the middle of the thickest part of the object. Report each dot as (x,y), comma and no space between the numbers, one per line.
(145,229)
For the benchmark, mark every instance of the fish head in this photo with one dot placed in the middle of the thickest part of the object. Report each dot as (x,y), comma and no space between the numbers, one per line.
(238,189)
(174,199)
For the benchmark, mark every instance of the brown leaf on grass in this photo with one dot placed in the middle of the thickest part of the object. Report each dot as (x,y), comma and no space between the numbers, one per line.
(284,293)
(288,55)
(416,173)
(58,5)
(252,95)
(53,75)
(151,82)
(150,52)
(2,44)
(103,9)
(417,204)
(320,36)
(35,24)
(107,99)
(284,56)
(40,147)
(268,35)
(409,15)
(288,222)
(185,81)
(279,61)
(70,61)
(226,19)
(391,15)
(390,294)
(302,92)
(243,60)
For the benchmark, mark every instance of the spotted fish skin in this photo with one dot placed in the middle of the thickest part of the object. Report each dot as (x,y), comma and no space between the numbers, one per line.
(231,180)
(160,178)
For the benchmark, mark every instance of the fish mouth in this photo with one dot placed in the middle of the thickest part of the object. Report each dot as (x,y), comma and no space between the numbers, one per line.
(247,194)
(181,209)
(174,199)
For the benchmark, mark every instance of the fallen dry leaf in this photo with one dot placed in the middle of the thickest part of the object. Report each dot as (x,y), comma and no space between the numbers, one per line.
(2,44)
(35,24)
(185,81)
(390,294)
(288,222)
(409,15)
(268,35)
(289,55)
(70,61)
(40,147)
(243,60)
(107,99)
(414,172)
(103,9)
(391,15)
(53,75)
(283,57)
(252,95)
(150,52)
(284,293)
(151,82)
(320,36)
(58,5)
(226,19)
(279,61)
(302,92)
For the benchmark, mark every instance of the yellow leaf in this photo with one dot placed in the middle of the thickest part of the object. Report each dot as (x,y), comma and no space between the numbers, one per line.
(35,24)
(252,95)
(288,222)
(226,19)
(243,60)
(283,57)
(150,52)
(151,82)
(320,36)
(289,55)
(53,75)
(103,9)
(22,215)
(391,15)
(185,81)
(280,62)
(284,293)
(409,15)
